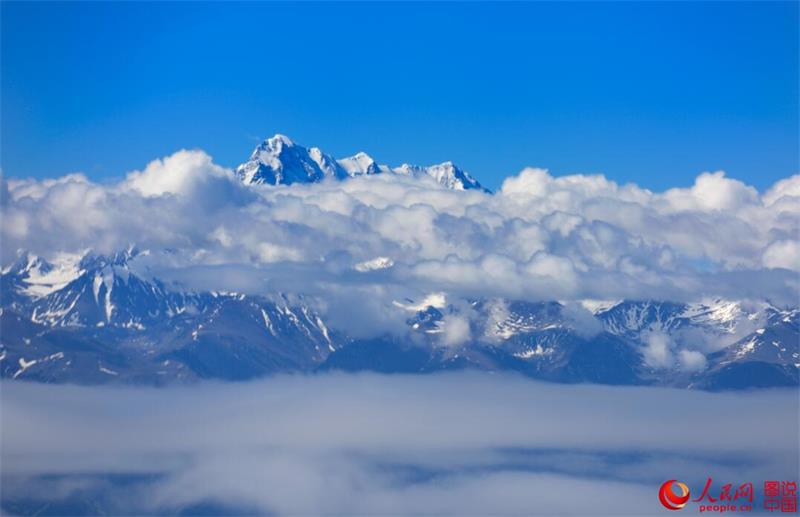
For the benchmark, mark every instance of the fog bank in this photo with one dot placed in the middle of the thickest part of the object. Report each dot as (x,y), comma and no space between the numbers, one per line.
(462,443)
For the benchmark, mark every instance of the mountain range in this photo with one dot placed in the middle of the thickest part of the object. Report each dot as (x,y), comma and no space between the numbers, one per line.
(280,161)
(96,319)
(91,318)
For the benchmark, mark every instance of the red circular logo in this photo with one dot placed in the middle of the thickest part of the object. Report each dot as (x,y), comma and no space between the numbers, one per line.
(671,499)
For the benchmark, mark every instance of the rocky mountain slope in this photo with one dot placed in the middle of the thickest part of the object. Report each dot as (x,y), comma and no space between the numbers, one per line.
(96,319)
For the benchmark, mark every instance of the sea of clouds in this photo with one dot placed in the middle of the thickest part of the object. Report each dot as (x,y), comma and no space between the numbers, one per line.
(466,443)
(365,243)
(457,443)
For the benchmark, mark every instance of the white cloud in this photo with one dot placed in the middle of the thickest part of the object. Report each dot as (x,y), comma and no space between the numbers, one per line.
(581,319)
(370,444)
(692,360)
(455,330)
(783,254)
(658,350)
(712,191)
(180,173)
(540,238)
(531,182)
(789,187)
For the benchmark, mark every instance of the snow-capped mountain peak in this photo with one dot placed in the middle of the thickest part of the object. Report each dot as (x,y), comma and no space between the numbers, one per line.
(34,276)
(65,317)
(280,161)
(452,177)
(271,148)
(358,164)
(446,174)
(407,169)
(281,139)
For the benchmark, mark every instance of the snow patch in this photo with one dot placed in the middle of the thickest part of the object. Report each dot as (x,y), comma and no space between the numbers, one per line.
(44,278)
(373,265)
(107,371)
(23,365)
(435,300)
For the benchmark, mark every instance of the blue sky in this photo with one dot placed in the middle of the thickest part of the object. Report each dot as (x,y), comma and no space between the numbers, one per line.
(647,92)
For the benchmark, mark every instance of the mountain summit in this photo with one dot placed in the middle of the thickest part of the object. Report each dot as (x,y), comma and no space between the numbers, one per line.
(281,161)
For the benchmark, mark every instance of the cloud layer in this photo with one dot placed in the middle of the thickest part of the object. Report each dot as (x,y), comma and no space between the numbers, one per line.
(369,444)
(386,237)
